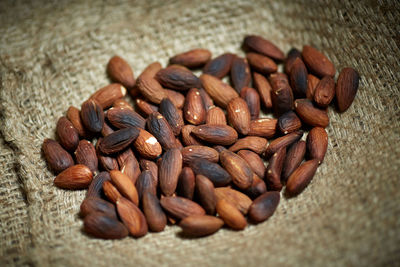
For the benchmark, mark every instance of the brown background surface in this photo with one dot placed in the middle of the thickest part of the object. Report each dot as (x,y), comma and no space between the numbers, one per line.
(53,55)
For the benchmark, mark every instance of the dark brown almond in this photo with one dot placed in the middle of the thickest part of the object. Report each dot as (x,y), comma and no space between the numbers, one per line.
(123,117)
(231,215)
(169,170)
(177,98)
(292,55)
(288,122)
(310,114)
(92,116)
(194,110)
(192,59)
(219,91)
(188,138)
(262,46)
(186,183)
(317,62)
(107,95)
(298,78)
(146,182)
(240,171)
(160,128)
(261,64)
(216,134)
(264,206)
(177,78)
(252,100)
(73,115)
(191,153)
(254,161)
(264,89)
(206,194)
(151,166)
(274,170)
(122,103)
(282,95)
(212,171)
(147,145)
(257,188)
(67,134)
(128,164)
(241,201)
(155,216)
(240,73)
(265,127)
(301,177)
(132,217)
(312,82)
(86,154)
(96,186)
(180,208)
(324,92)
(151,89)
(317,143)
(215,115)
(111,192)
(118,140)
(100,225)
(120,71)
(95,204)
(207,100)
(198,226)
(125,186)
(346,88)
(106,130)
(238,114)
(57,158)
(294,156)
(75,177)
(282,141)
(144,107)
(254,143)
(219,66)
(170,113)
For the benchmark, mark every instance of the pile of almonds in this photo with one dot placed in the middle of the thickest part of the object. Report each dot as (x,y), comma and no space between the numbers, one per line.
(191,152)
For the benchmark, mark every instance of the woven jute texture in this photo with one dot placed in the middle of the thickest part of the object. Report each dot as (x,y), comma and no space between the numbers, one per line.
(53,54)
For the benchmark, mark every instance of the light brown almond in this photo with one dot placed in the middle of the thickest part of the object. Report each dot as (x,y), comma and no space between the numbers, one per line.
(111,192)
(254,143)
(231,215)
(241,201)
(317,62)
(301,177)
(192,59)
(261,64)
(219,91)
(128,164)
(282,141)
(144,107)
(125,186)
(317,143)
(194,110)
(240,171)
(75,177)
(188,138)
(73,115)
(200,225)
(147,145)
(151,89)
(238,114)
(310,114)
(107,95)
(312,82)
(265,127)
(169,170)
(324,91)
(120,71)
(132,217)
(254,161)
(264,89)
(215,115)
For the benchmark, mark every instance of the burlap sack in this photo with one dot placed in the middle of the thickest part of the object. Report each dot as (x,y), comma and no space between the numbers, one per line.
(53,55)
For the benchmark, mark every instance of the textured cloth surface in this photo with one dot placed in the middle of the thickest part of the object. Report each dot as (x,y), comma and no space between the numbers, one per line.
(53,55)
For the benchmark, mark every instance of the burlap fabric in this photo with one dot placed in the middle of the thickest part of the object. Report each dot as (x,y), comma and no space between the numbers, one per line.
(53,55)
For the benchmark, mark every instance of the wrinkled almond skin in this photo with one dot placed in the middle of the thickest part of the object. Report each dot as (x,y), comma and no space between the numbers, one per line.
(75,177)
(264,89)
(107,95)
(240,171)
(294,156)
(219,91)
(111,192)
(324,92)
(310,114)
(177,98)
(120,71)
(198,226)
(96,186)
(254,161)
(312,82)
(317,62)
(186,183)
(254,143)
(180,208)
(216,134)
(288,122)
(292,55)
(265,127)
(252,99)
(144,107)
(73,115)
(241,201)
(170,113)
(282,141)
(121,117)
(151,89)
(238,114)
(188,138)
(57,157)
(169,170)
(298,78)
(132,217)
(125,186)
(95,204)
(262,46)
(317,143)
(206,194)
(240,73)
(346,88)
(177,78)
(92,116)
(192,59)
(301,177)
(219,66)
(146,182)
(67,134)
(261,64)
(282,95)
(155,216)
(194,110)
(147,145)
(213,171)
(274,170)
(128,164)
(231,215)
(162,131)
(215,115)
(122,103)
(118,140)
(257,188)
(100,225)
(151,166)
(264,206)
(191,153)
(86,154)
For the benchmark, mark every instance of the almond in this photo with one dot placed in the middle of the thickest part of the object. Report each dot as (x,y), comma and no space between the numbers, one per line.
(298,78)
(128,164)
(265,127)
(170,113)
(160,128)
(216,134)
(288,122)
(177,98)
(241,201)
(310,114)
(252,99)
(219,91)
(282,95)
(111,192)
(264,89)
(106,130)
(262,46)
(264,206)
(151,70)
(193,152)
(95,204)
(107,95)
(100,225)
(261,64)
(215,115)
(346,88)
(155,216)
(231,215)
(294,157)
(120,71)
(200,225)
(67,134)
(301,177)
(151,166)
(317,143)
(123,117)
(92,116)
(188,138)
(219,66)
(122,103)
(96,186)
(240,73)
(255,143)
(240,171)
(146,182)
(118,140)
(207,100)
(186,183)
(151,89)
(147,145)
(274,170)
(239,115)
(192,59)
(292,55)
(312,82)
(73,115)
(75,177)
(257,188)
(282,141)
(212,171)
(180,207)
(169,170)
(324,91)
(194,110)
(177,78)
(317,62)
(57,158)
(125,186)
(132,217)
(254,161)
(144,107)
(206,194)
(86,154)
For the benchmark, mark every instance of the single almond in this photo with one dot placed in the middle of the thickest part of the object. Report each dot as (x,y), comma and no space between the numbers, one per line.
(238,114)
(170,113)
(95,204)
(192,59)
(107,95)
(186,183)
(155,216)
(317,62)
(282,141)
(298,78)
(85,154)
(292,55)
(132,217)
(324,91)
(262,46)
(264,89)
(213,171)
(312,82)
(75,177)
(180,208)
(240,171)
(310,114)
(101,225)
(257,188)
(206,194)
(146,182)
(118,140)
(190,153)
(122,103)
(125,186)
(241,201)
(215,115)
(188,138)
(282,95)
(265,127)
(194,110)
(67,134)
(151,166)
(147,145)
(151,70)
(254,143)
(317,143)
(162,131)
(120,71)
(111,192)
(294,156)
(73,115)
(231,215)
(121,117)
(207,100)
(169,170)
(346,88)
(96,186)
(57,158)
(216,134)
(252,99)
(240,73)
(261,64)
(264,206)
(144,107)
(177,78)
(288,122)
(177,98)
(301,177)
(254,161)
(128,164)
(200,225)
(150,88)
(274,170)
(92,116)
(219,91)
(219,66)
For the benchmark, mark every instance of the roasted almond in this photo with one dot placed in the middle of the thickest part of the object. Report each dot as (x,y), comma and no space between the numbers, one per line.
(240,73)
(192,59)
(274,170)
(211,170)
(118,140)
(238,115)
(95,204)
(170,113)
(107,95)
(111,192)
(206,194)
(177,78)
(73,115)
(147,145)
(231,215)
(262,46)
(160,128)
(264,206)
(106,130)
(96,186)
(92,116)
(146,182)
(288,122)
(122,103)
(132,217)
(120,71)
(86,154)
(186,183)
(57,158)
(219,66)
(200,225)
(207,100)
(254,161)
(240,171)
(180,207)
(294,156)
(75,177)
(241,201)
(301,177)
(123,117)
(265,127)
(194,110)
(264,89)
(191,153)
(219,91)
(282,141)
(216,134)
(169,170)
(317,143)
(215,115)
(324,91)
(150,88)
(100,225)
(317,62)
(177,98)
(255,143)
(261,64)
(346,88)
(292,55)
(188,138)
(312,82)
(298,78)
(144,107)
(151,166)
(151,70)
(67,134)
(310,114)
(282,95)
(125,186)
(252,99)
(155,216)
(257,188)
(129,165)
